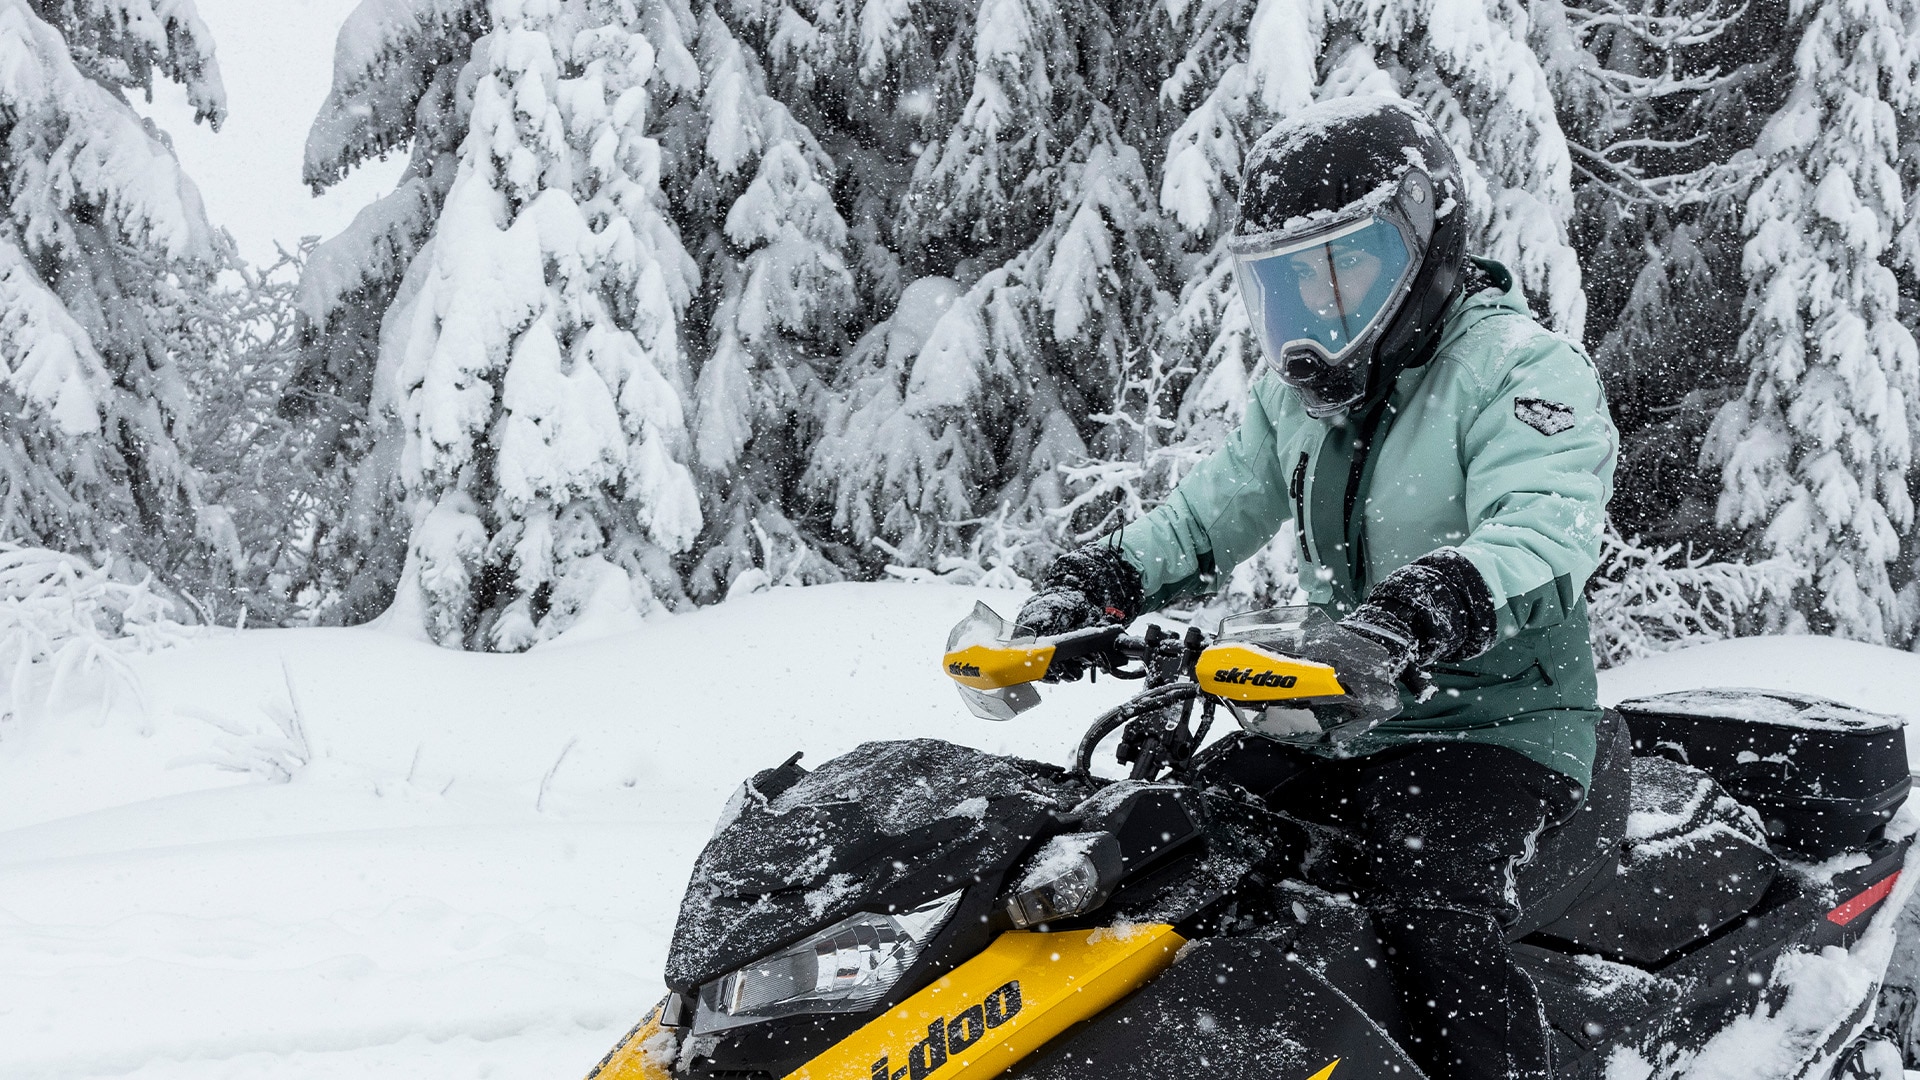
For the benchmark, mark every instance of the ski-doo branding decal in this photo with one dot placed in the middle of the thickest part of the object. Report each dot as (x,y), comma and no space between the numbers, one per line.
(995,667)
(1862,903)
(1000,1006)
(1244,672)
(947,1038)
(1249,677)
(1543,416)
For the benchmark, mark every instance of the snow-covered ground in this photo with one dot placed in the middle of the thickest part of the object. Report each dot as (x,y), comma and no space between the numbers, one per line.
(321,853)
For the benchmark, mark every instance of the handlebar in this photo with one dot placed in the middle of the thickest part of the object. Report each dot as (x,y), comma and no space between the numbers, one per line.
(1157,736)
(1109,649)
(1269,667)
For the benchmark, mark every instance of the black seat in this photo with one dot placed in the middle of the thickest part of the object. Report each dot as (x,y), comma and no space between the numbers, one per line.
(1580,856)
(1693,861)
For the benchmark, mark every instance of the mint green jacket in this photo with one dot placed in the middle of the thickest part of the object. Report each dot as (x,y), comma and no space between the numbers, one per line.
(1500,447)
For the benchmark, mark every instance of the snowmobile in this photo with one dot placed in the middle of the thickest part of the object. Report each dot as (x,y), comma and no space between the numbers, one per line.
(919,910)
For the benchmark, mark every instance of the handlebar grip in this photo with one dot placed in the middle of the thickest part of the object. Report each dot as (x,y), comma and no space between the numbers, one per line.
(1088,644)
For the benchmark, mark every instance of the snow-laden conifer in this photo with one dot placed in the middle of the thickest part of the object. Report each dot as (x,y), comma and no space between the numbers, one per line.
(784,293)
(1816,453)
(1033,192)
(397,87)
(532,356)
(1661,103)
(105,253)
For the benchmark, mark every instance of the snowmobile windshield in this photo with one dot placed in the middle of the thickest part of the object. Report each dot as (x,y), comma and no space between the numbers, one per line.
(1317,302)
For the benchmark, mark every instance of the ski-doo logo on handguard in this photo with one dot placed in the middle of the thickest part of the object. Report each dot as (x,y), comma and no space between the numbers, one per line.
(971,671)
(1249,677)
(949,1038)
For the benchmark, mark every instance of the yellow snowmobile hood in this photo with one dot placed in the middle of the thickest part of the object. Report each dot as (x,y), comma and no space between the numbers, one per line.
(971,1024)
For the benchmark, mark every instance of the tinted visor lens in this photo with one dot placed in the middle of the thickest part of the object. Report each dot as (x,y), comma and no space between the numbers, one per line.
(1324,293)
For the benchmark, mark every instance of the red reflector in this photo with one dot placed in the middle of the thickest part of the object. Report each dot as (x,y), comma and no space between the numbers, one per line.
(1858,906)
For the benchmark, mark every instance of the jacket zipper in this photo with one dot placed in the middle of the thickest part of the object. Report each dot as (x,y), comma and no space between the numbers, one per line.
(1298,490)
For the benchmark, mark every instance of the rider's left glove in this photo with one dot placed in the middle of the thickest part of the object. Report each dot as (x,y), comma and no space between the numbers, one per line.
(1435,608)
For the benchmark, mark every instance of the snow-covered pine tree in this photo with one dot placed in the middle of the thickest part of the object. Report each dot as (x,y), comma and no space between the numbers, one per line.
(240,449)
(1032,192)
(1660,100)
(397,87)
(1816,454)
(530,353)
(105,256)
(876,464)
(782,294)
(796,126)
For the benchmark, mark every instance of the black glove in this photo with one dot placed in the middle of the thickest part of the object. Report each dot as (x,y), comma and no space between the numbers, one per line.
(1436,607)
(1370,671)
(1090,586)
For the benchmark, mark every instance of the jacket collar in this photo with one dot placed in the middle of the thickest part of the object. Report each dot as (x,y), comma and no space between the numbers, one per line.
(1463,314)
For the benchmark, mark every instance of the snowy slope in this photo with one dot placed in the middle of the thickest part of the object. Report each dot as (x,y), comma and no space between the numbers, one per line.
(478,858)
(474,865)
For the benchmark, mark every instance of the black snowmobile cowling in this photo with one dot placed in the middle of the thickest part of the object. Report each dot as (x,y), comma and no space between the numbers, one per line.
(920,910)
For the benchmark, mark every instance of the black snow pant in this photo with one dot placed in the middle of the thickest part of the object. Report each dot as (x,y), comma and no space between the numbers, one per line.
(1443,827)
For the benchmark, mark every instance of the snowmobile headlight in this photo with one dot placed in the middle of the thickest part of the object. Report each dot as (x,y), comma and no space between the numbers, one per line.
(1070,875)
(844,968)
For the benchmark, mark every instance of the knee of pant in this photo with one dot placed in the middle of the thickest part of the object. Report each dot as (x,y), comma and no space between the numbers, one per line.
(1427,929)
(1461,885)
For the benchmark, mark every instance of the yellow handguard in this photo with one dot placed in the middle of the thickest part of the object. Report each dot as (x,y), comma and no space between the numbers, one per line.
(995,670)
(995,667)
(1239,671)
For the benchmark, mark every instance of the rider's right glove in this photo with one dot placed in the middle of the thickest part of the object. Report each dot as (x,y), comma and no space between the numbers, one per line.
(1436,607)
(1090,586)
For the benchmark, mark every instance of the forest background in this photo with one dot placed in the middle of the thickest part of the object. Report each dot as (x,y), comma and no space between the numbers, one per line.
(671,300)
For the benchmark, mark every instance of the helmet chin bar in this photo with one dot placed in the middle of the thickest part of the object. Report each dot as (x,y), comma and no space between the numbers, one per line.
(1327,388)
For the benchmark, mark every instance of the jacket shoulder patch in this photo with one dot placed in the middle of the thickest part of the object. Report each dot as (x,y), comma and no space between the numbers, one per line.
(1543,416)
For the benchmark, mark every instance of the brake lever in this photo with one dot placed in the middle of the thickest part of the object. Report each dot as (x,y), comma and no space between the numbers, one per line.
(1417,682)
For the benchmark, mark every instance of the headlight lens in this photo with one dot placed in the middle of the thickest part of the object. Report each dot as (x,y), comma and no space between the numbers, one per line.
(844,968)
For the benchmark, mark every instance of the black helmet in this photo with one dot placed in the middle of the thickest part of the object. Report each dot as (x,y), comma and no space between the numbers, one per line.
(1362,187)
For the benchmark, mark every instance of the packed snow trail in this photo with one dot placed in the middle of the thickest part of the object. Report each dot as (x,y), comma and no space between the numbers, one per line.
(330,853)
(473,863)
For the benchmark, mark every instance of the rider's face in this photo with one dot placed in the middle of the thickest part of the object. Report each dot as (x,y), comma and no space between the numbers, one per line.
(1336,290)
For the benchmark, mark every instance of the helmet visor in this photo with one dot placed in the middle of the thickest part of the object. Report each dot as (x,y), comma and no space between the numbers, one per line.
(1324,293)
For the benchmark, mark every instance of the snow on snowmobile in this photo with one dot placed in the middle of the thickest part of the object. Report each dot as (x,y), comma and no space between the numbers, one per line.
(918,909)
